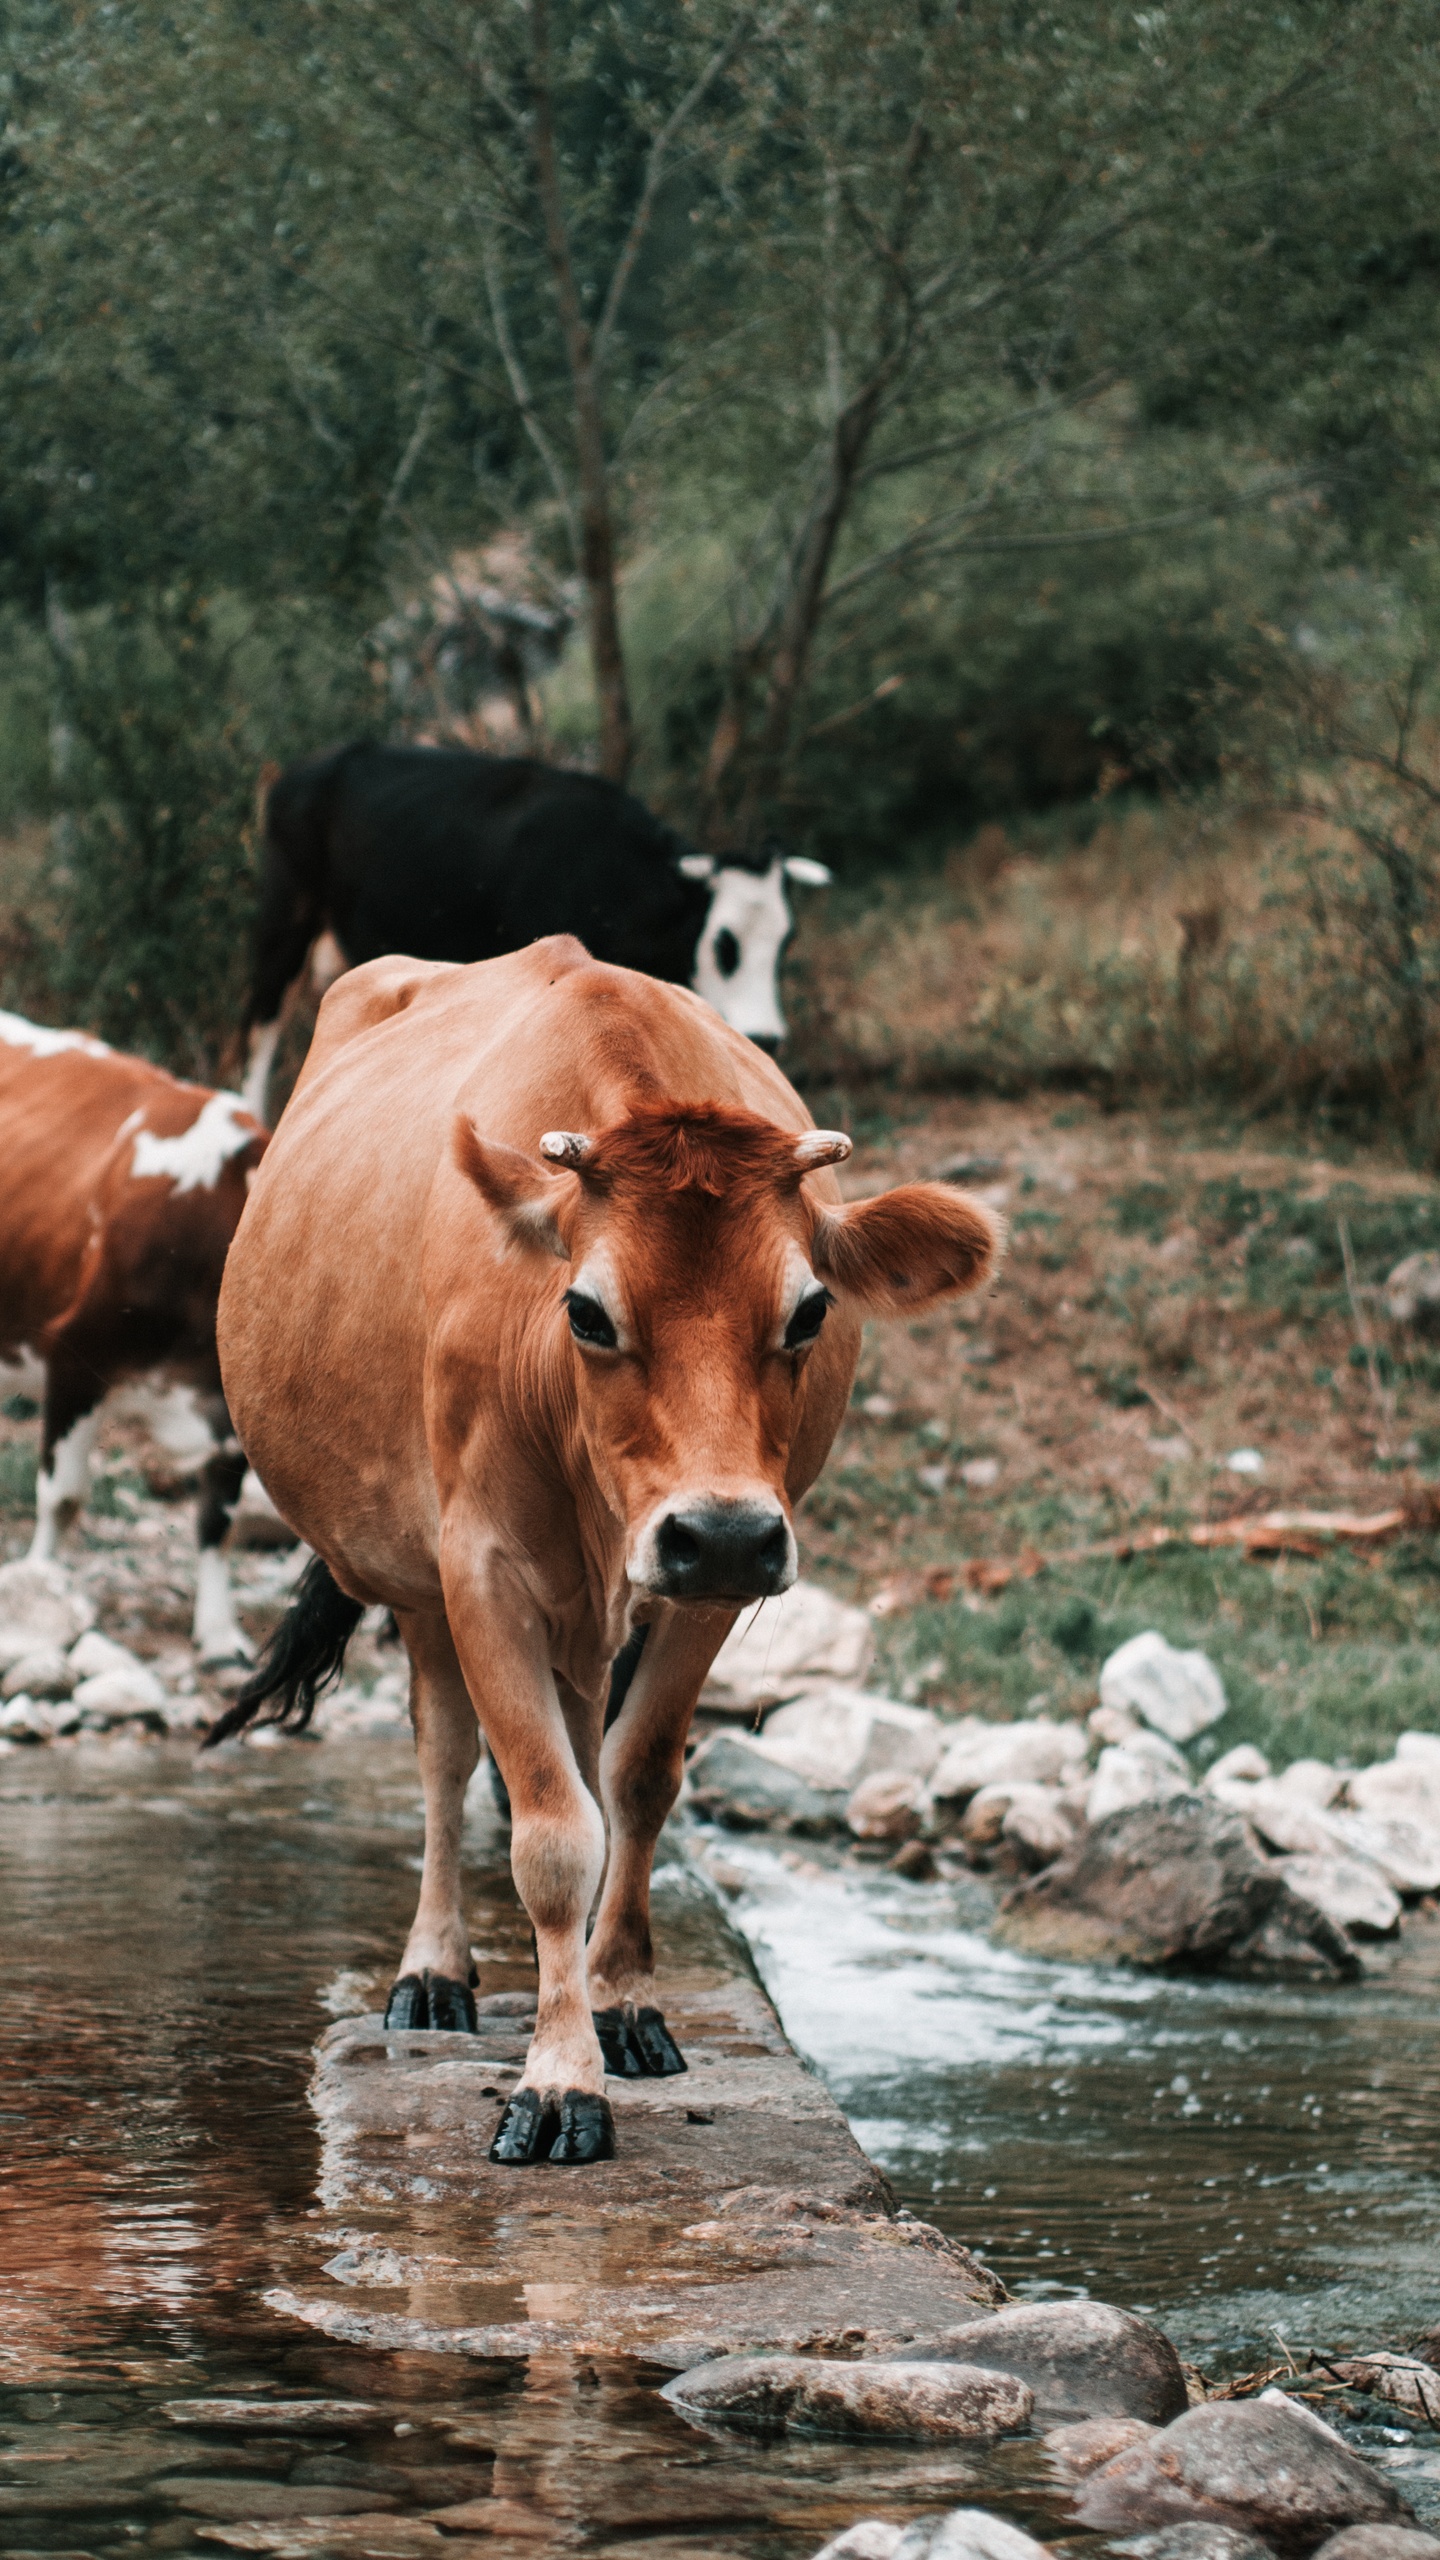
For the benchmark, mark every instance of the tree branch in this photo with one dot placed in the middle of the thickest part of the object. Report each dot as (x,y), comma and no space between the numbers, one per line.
(655,159)
(520,392)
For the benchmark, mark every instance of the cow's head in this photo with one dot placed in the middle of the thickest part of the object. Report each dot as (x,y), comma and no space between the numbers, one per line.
(737,958)
(701,1265)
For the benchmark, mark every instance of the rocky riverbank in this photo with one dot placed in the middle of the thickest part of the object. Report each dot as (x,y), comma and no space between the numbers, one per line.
(1107,1839)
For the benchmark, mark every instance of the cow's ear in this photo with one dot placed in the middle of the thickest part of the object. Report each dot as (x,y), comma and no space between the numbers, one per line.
(903,1251)
(524,1195)
(696,866)
(811,875)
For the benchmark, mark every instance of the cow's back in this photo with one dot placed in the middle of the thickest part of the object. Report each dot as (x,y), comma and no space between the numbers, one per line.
(458,856)
(323,1316)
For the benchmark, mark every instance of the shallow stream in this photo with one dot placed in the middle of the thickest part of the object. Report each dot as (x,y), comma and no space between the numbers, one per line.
(169,1929)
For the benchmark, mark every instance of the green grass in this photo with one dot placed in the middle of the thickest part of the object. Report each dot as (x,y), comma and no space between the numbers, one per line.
(18,1468)
(1328,1659)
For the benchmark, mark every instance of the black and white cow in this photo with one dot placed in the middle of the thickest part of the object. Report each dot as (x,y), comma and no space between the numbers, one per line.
(446,854)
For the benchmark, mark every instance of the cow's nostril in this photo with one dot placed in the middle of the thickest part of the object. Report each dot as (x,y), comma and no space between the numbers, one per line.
(722,1551)
(677,1547)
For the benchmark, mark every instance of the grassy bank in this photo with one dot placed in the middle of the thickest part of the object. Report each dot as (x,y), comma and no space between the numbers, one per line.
(1174,1294)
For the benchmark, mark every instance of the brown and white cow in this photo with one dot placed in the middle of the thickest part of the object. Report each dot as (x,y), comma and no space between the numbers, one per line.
(541,1318)
(120,1189)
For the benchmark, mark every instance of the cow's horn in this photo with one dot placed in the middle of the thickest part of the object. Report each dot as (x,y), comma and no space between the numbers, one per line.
(566,1146)
(821,1146)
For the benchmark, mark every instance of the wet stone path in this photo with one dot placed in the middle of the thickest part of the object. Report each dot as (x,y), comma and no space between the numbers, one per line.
(222,2315)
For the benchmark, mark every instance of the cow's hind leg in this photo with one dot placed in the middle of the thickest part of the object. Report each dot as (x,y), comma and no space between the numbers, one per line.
(640,1770)
(74,1394)
(434,1985)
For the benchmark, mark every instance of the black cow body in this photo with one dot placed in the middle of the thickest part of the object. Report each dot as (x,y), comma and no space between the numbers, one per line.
(450,855)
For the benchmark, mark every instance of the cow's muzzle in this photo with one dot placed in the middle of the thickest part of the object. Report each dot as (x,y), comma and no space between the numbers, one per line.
(722,1551)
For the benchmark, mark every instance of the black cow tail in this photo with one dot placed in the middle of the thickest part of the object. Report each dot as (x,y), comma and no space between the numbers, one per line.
(304,1655)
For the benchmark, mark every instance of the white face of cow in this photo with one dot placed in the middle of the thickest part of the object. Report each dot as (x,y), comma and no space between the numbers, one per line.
(737,958)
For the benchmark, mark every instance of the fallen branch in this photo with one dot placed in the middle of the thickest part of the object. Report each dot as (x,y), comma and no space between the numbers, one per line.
(1264,1533)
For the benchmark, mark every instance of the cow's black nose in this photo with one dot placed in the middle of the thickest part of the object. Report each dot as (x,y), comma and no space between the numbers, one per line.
(722,1551)
(768,1041)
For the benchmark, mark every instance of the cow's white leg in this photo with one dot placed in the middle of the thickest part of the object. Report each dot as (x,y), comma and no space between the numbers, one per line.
(62,1484)
(447,1747)
(215,1630)
(264,1041)
(557,1856)
(641,1765)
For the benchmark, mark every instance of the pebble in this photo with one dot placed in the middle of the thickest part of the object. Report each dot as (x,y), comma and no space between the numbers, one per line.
(1126,1774)
(1264,2466)
(938,2401)
(1081,2359)
(45,1673)
(1083,2444)
(39,1605)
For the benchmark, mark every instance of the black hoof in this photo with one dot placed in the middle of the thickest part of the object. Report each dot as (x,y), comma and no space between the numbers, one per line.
(638,2048)
(587,2130)
(526,2130)
(431,2000)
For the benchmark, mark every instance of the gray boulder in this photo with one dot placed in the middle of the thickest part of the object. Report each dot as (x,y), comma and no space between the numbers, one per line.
(1172,1884)
(938,2401)
(967,2533)
(736,1784)
(1264,2466)
(1080,2359)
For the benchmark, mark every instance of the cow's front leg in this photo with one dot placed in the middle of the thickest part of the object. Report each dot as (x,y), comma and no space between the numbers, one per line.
(557,1855)
(434,1985)
(641,1765)
(74,1392)
(215,1630)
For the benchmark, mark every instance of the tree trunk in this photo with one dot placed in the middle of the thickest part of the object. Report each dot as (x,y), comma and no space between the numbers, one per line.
(597,537)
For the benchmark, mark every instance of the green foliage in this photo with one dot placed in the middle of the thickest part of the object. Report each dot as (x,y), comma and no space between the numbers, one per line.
(19,1466)
(172,706)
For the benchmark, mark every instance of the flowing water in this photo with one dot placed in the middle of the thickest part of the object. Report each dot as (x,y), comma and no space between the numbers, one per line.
(171,1930)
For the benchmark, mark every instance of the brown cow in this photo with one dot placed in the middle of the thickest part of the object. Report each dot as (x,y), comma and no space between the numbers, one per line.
(541,1318)
(120,1189)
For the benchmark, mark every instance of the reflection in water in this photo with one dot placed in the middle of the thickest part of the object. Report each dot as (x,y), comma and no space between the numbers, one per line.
(169,1927)
(1232,2156)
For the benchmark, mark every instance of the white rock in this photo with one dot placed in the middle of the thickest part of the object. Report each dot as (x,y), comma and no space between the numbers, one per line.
(1412,1292)
(840,1736)
(1037,1824)
(1409,1787)
(1420,1747)
(1311,1782)
(96,1653)
(1348,1890)
(39,1605)
(1243,1762)
(1285,1821)
(1126,1776)
(980,1473)
(967,2533)
(1406,1852)
(1036,1752)
(38,1719)
(983,1819)
(890,1805)
(1245,1462)
(870,2539)
(1113,1724)
(110,1696)
(255,1522)
(43,1673)
(803,1640)
(1179,1694)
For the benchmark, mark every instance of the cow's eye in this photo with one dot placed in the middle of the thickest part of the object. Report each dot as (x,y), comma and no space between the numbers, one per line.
(727,952)
(807,1320)
(588,1321)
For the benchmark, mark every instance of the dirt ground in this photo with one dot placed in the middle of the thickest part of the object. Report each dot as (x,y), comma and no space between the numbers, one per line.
(1174,1293)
